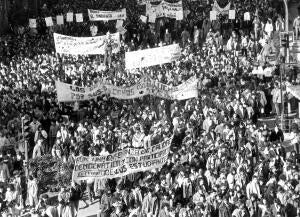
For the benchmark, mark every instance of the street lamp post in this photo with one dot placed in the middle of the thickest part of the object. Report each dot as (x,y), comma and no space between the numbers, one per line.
(287,59)
(287,27)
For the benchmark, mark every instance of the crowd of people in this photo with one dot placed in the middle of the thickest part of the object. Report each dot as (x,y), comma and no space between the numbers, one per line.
(222,162)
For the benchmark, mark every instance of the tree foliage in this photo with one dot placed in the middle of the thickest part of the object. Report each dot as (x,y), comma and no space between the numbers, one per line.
(51,173)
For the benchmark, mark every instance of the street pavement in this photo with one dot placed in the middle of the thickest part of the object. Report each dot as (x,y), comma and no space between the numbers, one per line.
(90,211)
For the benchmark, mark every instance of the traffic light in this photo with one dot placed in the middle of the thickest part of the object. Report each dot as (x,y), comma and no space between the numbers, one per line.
(285,41)
(26,128)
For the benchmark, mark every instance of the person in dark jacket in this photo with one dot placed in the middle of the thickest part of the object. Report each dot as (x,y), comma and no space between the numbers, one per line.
(76,194)
(276,135)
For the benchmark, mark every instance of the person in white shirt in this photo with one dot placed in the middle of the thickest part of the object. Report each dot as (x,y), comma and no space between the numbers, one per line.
(253,188)
(296,26)
(269,27)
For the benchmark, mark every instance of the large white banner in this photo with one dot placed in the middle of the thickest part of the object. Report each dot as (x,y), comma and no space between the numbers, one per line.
(145,86)
(166,9)
(96,15)
(122,163)
(84,45)
(151,57)
(216,7)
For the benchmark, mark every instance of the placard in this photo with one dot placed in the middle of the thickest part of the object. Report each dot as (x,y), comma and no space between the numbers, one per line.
(247,16)
(119,24)
(70,17)
(32,23)
(213,15)
(49,21)
(79,18)
(231,14)
(60,20)
(143,18)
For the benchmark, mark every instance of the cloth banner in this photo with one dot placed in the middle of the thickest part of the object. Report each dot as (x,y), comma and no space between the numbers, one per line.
(247,16)
(79,18)
(32,23)
(49,21)
(84,45)
(294,90)
(165,9)
(122,163)
(213,15)
(216,7)
(151,57)
(143,2)
(231,14)
(70,17)
(60,20)
(145,86)
(267,72)
(96,15)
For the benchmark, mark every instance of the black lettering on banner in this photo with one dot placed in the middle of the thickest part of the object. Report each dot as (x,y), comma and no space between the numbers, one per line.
(77,89)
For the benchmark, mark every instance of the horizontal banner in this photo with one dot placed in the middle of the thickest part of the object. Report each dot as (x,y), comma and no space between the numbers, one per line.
(122,163)
(85,45)
(145,86)
(151,57)
(166,9)
(96,15)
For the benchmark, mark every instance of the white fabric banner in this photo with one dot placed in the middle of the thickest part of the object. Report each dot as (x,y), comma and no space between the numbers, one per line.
(96,15)
(122,163)
(60,20)
(84,45)
(79,18)
(166,9)
(151,57)
(145,86)
(70,17)
(216,7)
(49,21)
(32,23)
(143,2)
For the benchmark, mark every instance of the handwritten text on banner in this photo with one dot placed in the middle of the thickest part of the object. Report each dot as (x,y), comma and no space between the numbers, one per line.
(84,45)
(145,86)
(96,15)
(122,163)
